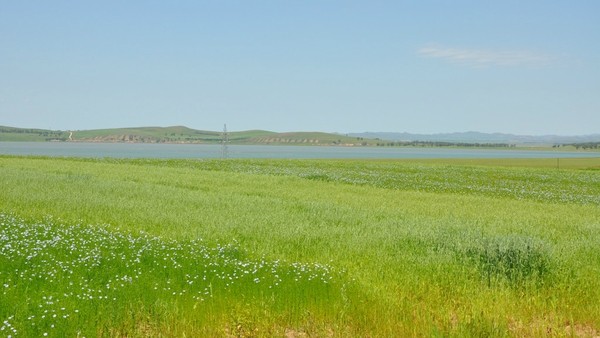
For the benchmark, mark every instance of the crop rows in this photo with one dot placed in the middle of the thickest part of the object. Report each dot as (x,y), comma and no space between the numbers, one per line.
(542,185)
(563,186)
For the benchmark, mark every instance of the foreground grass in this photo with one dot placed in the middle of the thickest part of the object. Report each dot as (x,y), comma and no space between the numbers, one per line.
(406,248)
(94,281)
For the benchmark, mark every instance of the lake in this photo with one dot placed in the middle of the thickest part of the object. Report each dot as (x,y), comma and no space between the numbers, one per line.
(147,150)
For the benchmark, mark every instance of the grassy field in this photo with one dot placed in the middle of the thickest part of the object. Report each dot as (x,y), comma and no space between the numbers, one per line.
(108,247)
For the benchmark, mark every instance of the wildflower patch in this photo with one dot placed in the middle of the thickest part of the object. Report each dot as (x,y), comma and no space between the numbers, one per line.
(71,280)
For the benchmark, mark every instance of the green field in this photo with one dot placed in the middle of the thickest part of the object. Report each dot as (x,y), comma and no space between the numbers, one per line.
(297,248)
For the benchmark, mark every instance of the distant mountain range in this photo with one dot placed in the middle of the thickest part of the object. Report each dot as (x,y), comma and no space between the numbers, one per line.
(477,137)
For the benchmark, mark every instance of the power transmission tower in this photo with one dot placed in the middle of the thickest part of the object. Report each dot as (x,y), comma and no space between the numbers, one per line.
(224,141)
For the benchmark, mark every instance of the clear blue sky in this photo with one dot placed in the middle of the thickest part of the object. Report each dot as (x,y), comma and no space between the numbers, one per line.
(524,67)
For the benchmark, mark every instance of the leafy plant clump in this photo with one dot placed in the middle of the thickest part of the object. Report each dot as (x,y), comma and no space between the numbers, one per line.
(516,261)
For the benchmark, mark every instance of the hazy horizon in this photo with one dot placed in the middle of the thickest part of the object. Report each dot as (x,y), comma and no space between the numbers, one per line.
(341,66)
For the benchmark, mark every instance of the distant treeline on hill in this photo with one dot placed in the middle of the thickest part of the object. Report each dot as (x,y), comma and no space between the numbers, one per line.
(49,135)
(443,144)
(585,145)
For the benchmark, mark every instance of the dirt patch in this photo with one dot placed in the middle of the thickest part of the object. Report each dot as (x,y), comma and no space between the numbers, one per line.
(582,330)
(545,327)
(289,333)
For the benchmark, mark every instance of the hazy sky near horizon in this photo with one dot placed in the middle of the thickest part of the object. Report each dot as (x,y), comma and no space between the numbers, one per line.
(524,67)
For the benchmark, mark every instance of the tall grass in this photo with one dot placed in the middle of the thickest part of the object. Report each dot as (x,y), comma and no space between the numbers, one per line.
(413,248)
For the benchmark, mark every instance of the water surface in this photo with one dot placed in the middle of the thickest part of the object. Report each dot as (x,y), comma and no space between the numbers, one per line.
(148,150)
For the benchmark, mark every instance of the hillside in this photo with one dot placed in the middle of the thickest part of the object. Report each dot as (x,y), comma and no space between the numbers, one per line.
(31,135)
(179,134)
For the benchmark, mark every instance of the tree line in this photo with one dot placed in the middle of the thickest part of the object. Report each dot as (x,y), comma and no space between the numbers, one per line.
(443,144)
(584,145)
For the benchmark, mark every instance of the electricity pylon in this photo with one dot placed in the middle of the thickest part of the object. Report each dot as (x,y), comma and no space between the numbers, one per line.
(224,141)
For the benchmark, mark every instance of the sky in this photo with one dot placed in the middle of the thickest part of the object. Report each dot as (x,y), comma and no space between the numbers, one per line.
(511,66)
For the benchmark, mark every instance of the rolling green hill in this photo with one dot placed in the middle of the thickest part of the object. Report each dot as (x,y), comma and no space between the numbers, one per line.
(179,134)
(182,134)
(31,135)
